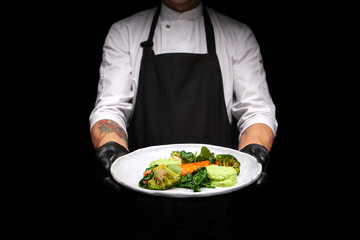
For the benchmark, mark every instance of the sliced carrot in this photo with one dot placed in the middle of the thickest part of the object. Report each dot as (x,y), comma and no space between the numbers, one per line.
(191,167)
(147,172)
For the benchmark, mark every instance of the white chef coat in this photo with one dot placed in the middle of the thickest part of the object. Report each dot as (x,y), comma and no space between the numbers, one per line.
(246,91)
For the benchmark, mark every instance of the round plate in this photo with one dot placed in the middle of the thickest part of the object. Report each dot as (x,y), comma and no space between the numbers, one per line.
(129,169)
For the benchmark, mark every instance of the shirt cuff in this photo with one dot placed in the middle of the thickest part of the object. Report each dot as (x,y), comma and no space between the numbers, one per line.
(94,118)
(270,122)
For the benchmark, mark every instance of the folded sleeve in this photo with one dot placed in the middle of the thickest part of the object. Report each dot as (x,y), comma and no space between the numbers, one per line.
(252,100)
(115,92)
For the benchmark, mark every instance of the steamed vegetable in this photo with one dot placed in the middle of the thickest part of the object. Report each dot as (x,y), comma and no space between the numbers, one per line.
(191,167)
(160,178)
(195,180)
(165,161)
(228,160)
(175,168)
(205,154)
(189,157)
(148,175)
(186,157)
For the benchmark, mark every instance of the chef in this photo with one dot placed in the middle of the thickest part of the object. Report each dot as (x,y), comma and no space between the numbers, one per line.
(181,73)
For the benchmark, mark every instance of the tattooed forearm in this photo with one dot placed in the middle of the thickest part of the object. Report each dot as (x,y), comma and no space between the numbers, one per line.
(106,131)
(108,126)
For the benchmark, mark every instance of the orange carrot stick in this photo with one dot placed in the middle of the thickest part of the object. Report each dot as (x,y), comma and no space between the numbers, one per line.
(191,167)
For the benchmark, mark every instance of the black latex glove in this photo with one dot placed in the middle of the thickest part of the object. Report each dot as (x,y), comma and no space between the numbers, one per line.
(262,155)
(104,157)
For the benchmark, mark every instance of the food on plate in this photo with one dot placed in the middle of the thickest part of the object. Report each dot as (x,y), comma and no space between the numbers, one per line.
(189,157)
(191,170)
(221,176)
(191,167)
(185,157)
(195,180)
(175,168)
(160,178)
(165,161)
(228,160)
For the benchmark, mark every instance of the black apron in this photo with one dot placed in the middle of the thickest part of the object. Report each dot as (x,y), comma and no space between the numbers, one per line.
(180,98)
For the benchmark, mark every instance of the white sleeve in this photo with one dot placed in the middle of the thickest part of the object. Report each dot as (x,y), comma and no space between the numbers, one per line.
(115,94)
(252,103)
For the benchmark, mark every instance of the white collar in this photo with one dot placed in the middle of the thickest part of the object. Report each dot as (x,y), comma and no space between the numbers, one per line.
(171,15)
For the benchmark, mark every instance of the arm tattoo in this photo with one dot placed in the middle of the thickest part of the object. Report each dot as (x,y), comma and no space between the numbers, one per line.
(108,126)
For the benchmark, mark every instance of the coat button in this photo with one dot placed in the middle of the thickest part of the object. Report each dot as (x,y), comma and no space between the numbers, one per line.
(167,27)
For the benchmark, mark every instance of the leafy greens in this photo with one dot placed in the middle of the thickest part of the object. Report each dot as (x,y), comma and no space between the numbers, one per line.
(195,180)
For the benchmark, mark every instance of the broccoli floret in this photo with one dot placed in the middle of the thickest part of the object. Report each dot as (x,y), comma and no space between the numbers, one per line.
(163,178)
(228,160)
(175,155)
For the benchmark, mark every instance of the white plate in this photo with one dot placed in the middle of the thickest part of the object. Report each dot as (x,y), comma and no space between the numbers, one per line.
(129,169)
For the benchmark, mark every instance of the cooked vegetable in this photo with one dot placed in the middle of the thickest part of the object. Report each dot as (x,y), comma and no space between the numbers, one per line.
(175,168)
(165,161)
(186,157)
(147,172)
(189,157)
(205,154)
(195,180)
(163,178)
(191,167)
(228,160)
(148,175)
(175,155)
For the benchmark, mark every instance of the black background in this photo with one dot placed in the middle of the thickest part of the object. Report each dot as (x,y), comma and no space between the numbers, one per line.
(67,39)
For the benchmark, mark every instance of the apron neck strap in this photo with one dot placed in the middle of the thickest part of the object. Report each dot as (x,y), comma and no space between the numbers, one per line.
(209,31)
(149,42)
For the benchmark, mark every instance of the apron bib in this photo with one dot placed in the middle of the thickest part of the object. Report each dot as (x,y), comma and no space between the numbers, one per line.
(180,98)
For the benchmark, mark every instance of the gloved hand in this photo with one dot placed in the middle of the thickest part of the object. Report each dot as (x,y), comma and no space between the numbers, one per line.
(262,156)
(104,157)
